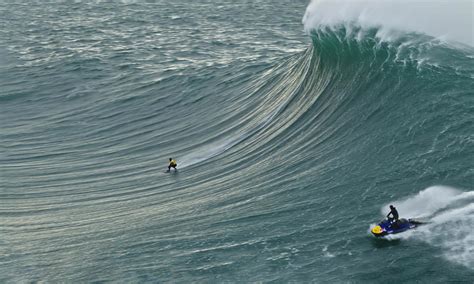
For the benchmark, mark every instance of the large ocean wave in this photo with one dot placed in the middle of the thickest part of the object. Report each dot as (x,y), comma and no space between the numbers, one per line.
(285,154)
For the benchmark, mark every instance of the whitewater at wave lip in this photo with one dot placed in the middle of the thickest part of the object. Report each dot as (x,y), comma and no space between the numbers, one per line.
(288,145)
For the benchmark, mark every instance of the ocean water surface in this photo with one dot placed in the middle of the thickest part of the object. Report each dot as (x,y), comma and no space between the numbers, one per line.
(294,126)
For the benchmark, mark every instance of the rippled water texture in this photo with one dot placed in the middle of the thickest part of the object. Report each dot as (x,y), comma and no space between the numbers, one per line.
(289,146)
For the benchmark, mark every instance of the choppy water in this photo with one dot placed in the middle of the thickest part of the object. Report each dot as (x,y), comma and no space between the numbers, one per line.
(289,145)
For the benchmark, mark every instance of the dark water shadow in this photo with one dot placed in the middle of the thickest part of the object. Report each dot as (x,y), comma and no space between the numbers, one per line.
(172,172)
(384,243)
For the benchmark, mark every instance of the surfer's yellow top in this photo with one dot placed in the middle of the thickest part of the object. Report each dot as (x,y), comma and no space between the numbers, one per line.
(173,163)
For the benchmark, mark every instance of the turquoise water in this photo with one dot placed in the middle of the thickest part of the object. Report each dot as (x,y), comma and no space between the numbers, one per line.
(289,146)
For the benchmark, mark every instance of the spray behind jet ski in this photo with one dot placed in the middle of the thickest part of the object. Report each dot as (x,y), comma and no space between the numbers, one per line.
(446,217)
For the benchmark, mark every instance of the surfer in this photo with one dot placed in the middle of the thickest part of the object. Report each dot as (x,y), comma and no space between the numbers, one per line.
(394,213)
(172,164)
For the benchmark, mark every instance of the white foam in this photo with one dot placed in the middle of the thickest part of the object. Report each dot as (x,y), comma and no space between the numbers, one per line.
(451,221)
(449,20)
(426,202)
(326,253)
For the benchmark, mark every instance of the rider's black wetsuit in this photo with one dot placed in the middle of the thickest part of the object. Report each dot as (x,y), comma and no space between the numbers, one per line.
(394,213)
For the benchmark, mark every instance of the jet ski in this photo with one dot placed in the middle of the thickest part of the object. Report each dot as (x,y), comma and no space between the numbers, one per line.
(389,226)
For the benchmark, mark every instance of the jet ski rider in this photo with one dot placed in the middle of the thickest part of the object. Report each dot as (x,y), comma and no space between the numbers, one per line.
(394,213)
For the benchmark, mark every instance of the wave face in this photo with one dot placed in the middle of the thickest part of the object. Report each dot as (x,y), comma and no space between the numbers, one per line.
(288,146)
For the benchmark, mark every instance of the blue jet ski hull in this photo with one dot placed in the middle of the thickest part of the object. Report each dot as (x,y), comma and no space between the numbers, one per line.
(388,227)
